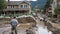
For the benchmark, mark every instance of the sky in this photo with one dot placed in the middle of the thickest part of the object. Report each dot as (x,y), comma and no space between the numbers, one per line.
(22,0)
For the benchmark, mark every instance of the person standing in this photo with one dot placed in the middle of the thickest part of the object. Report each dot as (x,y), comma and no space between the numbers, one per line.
(14,23)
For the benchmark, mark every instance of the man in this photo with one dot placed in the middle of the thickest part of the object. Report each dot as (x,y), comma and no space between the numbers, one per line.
(14,23)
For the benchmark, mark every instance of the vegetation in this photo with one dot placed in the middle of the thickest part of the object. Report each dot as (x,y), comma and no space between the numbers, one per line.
(3,4)
(50,14)
(57,11)
(47,5)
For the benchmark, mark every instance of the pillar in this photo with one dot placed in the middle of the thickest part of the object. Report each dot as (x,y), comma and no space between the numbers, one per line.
(30,10)
(4,14)
(14,13)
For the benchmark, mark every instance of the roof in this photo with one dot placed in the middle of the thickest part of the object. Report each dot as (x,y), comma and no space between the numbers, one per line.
(17,2)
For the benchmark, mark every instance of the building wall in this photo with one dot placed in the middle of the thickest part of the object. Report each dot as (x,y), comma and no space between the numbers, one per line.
(28,6)
(23,5)
(17,9)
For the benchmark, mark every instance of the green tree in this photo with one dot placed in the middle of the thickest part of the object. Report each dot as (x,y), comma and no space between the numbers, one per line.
(3,4)
(57,11)
(47,5)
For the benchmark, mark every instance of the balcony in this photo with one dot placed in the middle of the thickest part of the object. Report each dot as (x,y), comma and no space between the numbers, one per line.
(16,9)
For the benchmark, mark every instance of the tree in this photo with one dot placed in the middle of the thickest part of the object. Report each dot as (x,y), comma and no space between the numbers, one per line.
(3,4)
(57,11)
(48,4)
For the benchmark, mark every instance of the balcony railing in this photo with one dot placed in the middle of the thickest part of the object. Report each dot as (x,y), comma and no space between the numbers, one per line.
(16,9)
(10,15)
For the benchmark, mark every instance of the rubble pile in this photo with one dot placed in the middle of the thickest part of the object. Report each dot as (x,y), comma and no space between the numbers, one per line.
(54,29)
(26,20)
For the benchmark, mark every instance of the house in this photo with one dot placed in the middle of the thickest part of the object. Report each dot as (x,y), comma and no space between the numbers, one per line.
(16,8)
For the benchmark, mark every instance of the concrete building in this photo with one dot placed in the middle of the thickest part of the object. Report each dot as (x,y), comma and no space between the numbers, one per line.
(16,8)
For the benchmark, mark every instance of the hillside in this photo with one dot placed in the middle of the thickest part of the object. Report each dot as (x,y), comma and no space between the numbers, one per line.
(40,2)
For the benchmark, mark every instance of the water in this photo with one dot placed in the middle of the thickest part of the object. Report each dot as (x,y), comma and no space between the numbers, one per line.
(4,29)
(42,30)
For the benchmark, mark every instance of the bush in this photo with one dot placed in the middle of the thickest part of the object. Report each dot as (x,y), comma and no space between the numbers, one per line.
(50,14)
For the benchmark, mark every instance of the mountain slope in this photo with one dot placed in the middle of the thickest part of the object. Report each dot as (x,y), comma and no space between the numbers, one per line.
(41,3)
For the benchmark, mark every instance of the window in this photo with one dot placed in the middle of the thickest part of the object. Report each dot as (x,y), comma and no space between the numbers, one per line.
(25,6)
(8,6)
(11,6)
(21,6)
(15,6)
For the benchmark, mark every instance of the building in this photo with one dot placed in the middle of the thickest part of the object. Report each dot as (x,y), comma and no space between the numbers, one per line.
(58,8)
(16,8)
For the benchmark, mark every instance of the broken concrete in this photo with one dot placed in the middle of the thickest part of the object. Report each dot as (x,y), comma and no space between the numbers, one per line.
(55,28)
